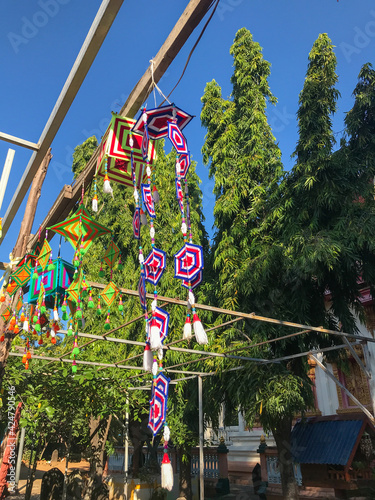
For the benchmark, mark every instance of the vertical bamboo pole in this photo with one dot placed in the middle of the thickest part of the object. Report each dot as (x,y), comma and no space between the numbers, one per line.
(126,451)
(5,174)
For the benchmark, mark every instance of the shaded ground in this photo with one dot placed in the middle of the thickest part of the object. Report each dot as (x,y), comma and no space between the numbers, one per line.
(43,467)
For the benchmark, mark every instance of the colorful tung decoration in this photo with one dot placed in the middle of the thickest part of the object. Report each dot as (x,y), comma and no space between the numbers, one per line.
(121,155)
(80,230)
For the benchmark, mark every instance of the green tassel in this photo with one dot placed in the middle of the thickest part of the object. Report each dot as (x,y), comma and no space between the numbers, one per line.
(72,356)
(101,273)
(107,326)
(121,307)
(65,316)
(63,308)
(120,267)
(43,310)
(74,368)
(78,314)
(35,276)
(37,327)
(84,292)
(80,323)
(51,267)
(99,312)
(70,332)
(90,304)
(75,351)
(35,318)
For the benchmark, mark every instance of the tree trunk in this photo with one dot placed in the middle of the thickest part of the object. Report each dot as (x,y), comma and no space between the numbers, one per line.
(282,437)
(99,429)
(9,461)
(185,490)
(29,486)
(20,247)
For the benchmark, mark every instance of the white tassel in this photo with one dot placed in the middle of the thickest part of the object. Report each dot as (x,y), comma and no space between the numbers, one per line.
(155,341)
(147,358)
(141,258)
(53,334)
(191,298)
(187,329)
(94,205)
(55,315)
(154,368)
(178,168)
(107,188)
(166,433)
(160,353)
(25,326)
(166,473)
(148,171)
(199,332)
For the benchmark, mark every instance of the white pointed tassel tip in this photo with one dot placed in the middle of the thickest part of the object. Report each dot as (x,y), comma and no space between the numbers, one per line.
(147,358)
(55,315)
(94,205)
(107,188)
(187,329)
(166,473)
(199,332)
(155,341)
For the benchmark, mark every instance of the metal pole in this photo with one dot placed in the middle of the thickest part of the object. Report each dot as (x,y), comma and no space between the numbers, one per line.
(201,455)
(369,360)
(347,392)
(126,451)
(19,456)
(5,174)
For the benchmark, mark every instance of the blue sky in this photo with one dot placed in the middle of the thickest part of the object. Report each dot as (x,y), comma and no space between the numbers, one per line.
(40,39)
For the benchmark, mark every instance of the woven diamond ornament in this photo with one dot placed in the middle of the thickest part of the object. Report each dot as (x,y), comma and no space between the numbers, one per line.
(21,275)
(154,265)
(137,223)
(110,293)
(44,255)
(75,288)
(184,161)
(12,288)
(111,254)
(148,200)
(80,229)
(158,403)
(197,280)
(179,195)
(177,138)
(7,314)
(188,261)
(157,120)
(162,321)
(115,147)
(142,291)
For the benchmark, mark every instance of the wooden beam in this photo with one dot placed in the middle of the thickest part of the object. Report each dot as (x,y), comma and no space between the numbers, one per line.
(103,21)
(189,20)
(19,142)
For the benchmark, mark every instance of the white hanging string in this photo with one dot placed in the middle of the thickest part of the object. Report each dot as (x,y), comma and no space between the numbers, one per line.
(155,85)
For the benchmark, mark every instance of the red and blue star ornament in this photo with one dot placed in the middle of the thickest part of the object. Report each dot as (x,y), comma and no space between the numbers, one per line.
(179,195)
(142,291)
(137,223)
(197,280)
(184,160)
(158,118)
(188,261)
(158,403)
(160,319)
(154,265)
(177,138)
(145,144)
(148,200)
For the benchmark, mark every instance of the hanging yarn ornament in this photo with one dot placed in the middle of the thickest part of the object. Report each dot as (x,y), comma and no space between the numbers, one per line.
(27,365)
(28,355)
(35,274)
(53,340)
(187,328)
(22,317)
(24,359)
(120,266)
(120,304)
(147,358)
(199,331)
(98,308)
(107,325)
(37,326)
(166,472)
(16,329)
(90,302)
(70,331)
(78,314)
(94,205)
(47,334)
(166,433)
(43,308)
(74,366)
(76,259)
(40,341)
(25,326)
(55,314)
(155,341)
(107,189)
(155,194)
(63,309)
